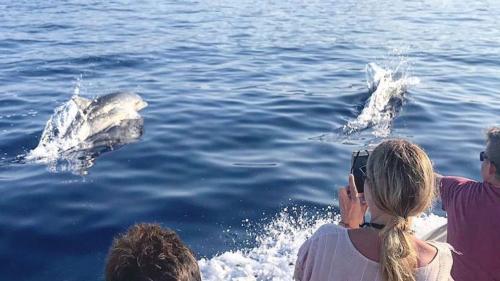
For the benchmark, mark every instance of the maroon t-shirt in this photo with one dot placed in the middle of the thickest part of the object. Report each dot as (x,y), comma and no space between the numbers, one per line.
(473,210)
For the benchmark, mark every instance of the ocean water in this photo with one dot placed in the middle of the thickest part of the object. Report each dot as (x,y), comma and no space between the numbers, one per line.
(253,110)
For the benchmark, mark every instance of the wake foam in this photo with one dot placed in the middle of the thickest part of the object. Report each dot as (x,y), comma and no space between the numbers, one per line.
(387,90)
(273,257)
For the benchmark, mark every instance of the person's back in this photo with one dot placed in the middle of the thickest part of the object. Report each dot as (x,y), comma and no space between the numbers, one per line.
(330,254)
(398,185)
(473,225)
(148,252)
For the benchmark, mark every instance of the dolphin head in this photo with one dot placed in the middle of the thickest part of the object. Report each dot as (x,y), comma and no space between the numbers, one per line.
(132,100)
(106,111)
(124,100)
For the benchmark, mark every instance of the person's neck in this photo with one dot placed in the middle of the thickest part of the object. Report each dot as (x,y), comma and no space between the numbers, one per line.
(382,219)
(494,182)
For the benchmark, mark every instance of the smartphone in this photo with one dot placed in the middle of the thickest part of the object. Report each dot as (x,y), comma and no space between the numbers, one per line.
(358,168)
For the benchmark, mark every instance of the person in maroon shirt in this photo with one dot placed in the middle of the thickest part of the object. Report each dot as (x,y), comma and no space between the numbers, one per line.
(473,210)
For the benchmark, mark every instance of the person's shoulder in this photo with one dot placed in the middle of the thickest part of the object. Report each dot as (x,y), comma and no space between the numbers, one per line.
(458,182)
(328,229)
(444,249)
(443,261)
(443,258)
(457,179)
(325,234)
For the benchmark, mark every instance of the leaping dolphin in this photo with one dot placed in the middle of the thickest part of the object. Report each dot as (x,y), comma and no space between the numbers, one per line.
(387,92)
(82,123)
(104,112)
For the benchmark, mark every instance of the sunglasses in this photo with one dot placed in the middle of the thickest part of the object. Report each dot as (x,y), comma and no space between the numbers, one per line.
(483,156)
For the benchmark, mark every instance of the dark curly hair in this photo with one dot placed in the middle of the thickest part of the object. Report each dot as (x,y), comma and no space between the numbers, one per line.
(148,252)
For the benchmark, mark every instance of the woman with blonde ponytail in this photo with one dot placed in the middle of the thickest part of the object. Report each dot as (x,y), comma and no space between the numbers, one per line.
(399,185)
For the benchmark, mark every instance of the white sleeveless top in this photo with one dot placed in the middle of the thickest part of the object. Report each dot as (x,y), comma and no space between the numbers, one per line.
(330,255)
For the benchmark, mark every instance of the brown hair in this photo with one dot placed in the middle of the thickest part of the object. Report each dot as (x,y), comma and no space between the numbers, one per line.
(401,179)
(149,252)
(493,148)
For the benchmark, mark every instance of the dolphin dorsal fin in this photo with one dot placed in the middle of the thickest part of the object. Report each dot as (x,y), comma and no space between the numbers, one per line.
(82,103)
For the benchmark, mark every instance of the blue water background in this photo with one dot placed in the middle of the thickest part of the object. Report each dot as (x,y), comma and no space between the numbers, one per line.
(245,101)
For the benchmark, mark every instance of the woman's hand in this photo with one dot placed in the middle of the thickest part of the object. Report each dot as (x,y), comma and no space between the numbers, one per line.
(352,205)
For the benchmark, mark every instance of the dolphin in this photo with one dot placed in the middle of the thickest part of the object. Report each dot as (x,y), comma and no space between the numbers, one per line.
(95,116)
(106,103)
(387,90)
(80,123)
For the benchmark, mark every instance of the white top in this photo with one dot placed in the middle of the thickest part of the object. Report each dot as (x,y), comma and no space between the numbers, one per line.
(330,255)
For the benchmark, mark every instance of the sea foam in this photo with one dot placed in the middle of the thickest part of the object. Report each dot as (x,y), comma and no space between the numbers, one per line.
(273,257)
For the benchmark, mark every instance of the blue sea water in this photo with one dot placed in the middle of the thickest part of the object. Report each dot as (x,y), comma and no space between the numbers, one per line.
(246,104)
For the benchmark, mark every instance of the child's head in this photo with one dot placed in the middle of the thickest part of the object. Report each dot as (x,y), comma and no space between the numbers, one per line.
(149,252)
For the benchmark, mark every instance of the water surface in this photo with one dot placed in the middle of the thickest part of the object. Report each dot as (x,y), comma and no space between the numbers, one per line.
(245,104)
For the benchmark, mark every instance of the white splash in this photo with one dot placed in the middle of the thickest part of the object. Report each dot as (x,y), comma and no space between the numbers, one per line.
(274,256)
(59,124)
(387,96)
(78,85)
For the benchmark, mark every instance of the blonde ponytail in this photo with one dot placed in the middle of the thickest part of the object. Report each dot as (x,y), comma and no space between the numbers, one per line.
(398,258)
(401,181)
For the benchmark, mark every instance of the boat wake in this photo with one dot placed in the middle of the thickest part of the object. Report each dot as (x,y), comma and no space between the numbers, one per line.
(273,257)
(387,94)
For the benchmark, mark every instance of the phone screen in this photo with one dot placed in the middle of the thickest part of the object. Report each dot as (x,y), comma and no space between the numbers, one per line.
(358,168)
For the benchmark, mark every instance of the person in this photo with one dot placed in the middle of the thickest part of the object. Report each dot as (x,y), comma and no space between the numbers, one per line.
(399,185)
(472,208)
(148,252)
